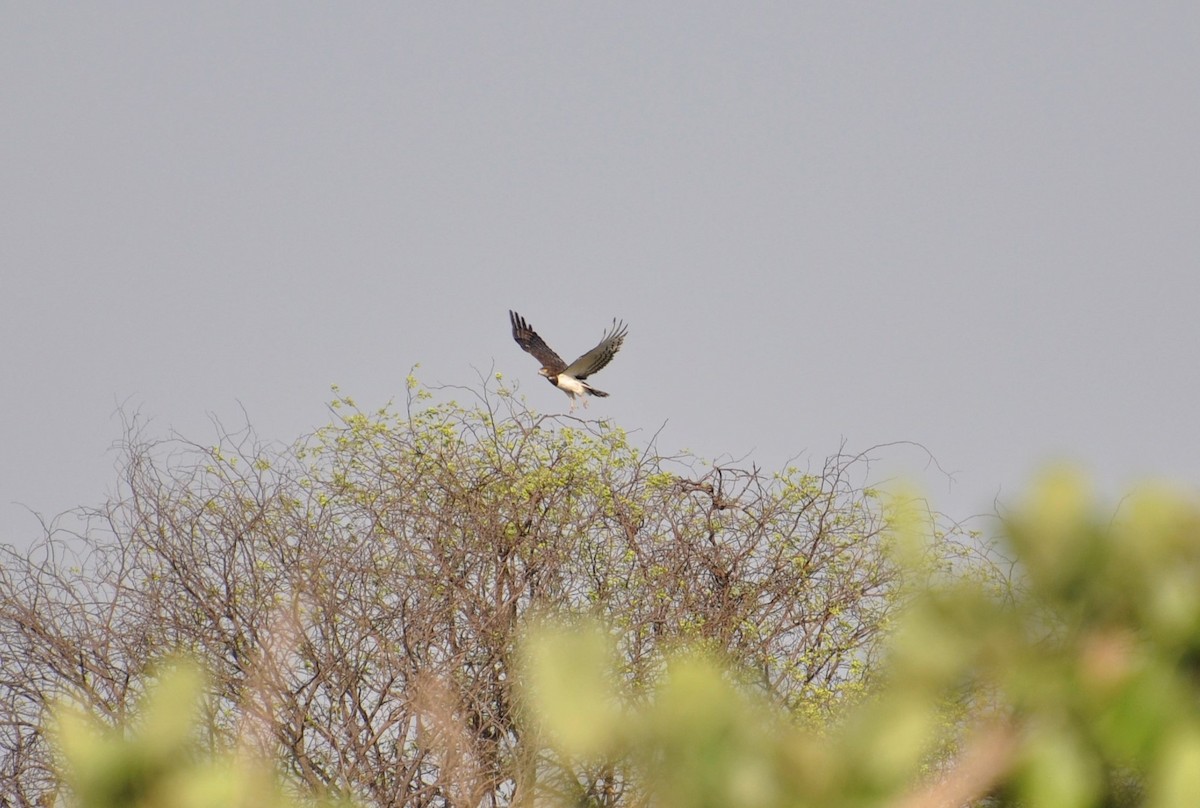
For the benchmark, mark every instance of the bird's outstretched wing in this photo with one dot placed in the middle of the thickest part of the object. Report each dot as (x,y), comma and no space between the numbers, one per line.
(529,341)
(595,359)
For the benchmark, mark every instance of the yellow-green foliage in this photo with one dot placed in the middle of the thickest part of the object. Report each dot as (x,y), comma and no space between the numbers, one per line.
(155,761)
(767,639)
(1079,687)
(360,594)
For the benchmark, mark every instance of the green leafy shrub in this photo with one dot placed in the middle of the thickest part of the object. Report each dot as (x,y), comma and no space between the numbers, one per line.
(360,593)
(156,760)
(1079,687)
(1076,687)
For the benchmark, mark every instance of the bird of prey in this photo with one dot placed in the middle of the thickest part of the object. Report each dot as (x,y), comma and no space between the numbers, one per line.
(571,379)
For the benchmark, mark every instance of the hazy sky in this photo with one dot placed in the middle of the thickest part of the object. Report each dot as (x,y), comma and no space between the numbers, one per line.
(971,225)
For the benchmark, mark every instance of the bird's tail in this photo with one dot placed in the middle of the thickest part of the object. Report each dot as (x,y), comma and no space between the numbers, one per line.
(594,391)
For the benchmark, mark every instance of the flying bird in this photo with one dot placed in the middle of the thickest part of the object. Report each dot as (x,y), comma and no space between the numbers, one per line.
(571,379)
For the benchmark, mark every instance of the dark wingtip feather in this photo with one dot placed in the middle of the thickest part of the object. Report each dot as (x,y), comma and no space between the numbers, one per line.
(518,323)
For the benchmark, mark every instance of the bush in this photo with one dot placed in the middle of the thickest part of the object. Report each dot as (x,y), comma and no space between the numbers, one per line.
(356,599)
(1079,689)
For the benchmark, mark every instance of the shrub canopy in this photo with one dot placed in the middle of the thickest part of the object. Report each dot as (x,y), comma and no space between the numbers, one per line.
(357,598)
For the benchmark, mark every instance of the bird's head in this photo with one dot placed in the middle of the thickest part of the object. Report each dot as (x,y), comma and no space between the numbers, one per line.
(551,376)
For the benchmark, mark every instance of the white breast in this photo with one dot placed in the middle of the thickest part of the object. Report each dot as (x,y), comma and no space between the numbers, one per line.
(570,384)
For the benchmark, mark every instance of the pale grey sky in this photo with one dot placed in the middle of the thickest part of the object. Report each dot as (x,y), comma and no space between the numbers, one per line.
(971,225)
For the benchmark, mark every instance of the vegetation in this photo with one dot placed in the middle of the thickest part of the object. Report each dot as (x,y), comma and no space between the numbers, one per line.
(357,600)
(1078,690)
(162,762)
(484,606)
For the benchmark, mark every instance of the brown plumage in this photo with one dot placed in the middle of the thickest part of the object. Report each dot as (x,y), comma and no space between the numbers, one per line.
(569,378)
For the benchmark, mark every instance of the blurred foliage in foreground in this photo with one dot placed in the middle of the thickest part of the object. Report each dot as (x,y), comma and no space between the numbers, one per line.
(356,598)
(1080,688)
(157,760)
